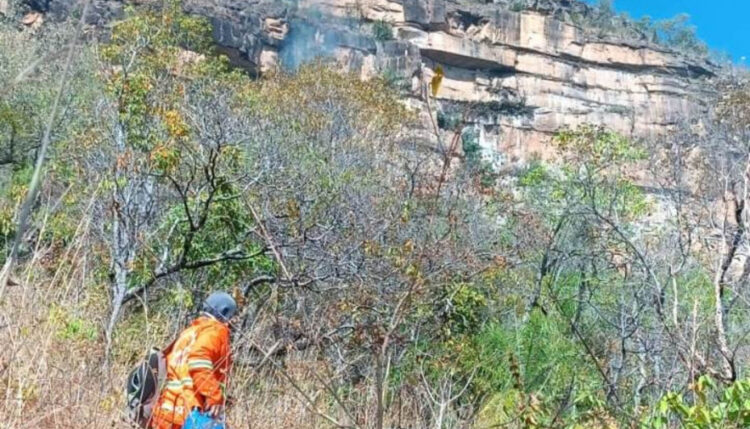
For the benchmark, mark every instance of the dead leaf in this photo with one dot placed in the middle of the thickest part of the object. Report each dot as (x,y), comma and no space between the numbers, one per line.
(32,18)
(12,281)
(239,297)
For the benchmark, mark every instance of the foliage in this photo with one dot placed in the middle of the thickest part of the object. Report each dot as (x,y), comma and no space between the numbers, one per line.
(711,407)
(517,6)
(71,327)
(382,31)
(675,33)
(144,55)
(594,175)
(601,19)
(679,33)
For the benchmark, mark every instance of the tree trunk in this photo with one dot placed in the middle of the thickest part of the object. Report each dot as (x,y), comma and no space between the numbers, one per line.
(379,392)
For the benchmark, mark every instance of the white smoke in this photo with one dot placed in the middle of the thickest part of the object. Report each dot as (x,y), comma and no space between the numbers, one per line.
(306,42)
(315,35)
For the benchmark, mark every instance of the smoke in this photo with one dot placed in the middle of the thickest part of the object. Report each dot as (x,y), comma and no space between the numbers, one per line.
(314,35)
(306,42)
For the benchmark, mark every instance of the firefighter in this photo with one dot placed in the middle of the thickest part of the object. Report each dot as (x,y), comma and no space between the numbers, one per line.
(197,366)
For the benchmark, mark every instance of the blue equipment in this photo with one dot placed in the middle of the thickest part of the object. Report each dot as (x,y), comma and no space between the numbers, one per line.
(198,420)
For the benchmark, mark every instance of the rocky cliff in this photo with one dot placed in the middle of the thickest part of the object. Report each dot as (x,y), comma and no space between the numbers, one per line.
(521,73)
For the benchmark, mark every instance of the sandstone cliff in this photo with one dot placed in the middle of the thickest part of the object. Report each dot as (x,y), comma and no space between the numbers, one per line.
(522,73)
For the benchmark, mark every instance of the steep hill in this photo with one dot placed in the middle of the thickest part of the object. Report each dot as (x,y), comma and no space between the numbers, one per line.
(388,275)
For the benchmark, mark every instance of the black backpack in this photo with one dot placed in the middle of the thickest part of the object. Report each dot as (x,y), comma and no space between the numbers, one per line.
(144,385)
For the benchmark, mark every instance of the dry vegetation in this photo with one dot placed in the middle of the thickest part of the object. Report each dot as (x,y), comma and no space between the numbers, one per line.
(386,282)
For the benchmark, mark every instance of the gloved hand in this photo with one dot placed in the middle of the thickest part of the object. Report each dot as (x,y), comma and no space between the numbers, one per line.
(215,411)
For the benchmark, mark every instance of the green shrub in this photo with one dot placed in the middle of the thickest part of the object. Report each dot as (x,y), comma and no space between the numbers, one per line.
(518,6)
(70,326)
(709,406)
(382,31)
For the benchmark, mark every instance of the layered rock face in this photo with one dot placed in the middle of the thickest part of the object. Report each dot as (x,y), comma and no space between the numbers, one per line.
(516,76)
(521,76)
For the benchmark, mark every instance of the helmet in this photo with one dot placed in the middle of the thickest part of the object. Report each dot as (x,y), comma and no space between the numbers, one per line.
(221,305)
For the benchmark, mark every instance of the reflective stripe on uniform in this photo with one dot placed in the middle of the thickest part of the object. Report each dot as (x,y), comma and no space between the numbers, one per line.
(179,384)
(200,364)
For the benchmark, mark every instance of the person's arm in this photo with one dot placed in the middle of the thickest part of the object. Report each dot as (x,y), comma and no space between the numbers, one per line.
(207,352)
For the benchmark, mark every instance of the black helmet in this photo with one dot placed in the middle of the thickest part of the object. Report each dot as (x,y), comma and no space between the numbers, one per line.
(221,305)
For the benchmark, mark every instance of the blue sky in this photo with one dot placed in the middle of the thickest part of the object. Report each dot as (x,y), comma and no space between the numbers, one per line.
(723,24)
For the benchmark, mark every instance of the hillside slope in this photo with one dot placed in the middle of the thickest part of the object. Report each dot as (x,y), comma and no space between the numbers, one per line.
(389,276)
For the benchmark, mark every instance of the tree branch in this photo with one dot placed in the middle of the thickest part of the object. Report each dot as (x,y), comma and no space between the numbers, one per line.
(229,256)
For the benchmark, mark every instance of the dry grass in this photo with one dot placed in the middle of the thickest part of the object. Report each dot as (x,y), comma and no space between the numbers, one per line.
(53,372)
(52,376)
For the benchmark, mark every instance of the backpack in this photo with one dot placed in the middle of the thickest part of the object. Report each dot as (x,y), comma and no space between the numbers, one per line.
(144,385)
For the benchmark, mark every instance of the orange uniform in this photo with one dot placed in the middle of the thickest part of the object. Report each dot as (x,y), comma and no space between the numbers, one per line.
(197,369)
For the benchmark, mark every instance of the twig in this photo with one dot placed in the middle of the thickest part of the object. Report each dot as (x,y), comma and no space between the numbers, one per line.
(308,401)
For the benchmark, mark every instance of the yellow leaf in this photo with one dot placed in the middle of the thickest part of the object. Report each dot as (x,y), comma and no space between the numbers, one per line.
(437,80)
